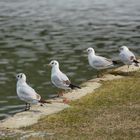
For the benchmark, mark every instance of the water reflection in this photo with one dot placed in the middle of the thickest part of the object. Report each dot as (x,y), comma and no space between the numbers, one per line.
(34,32)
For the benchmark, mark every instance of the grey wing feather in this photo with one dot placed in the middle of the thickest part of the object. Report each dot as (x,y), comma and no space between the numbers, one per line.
(131,55)
(28,93)
(103,62)
(60,80)
(127,56)
(64,77)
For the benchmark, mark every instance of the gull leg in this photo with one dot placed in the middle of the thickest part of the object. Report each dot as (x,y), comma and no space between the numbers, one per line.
(101,73)
(60,93)
(29,106)
(128,66)
(26,107)
(66,101)
(128,70)
(98,74)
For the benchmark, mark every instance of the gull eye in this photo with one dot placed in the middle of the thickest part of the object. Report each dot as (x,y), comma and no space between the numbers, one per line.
(52,63)
(18,76)
(21,76)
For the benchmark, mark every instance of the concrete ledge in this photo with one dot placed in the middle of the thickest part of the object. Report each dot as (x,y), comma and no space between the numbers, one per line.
(86,89)
(24,119)
(130,69)
(27,118)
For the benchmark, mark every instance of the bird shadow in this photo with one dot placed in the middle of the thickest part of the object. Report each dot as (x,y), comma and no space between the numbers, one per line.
(31,111)
(34,111)
(116,73)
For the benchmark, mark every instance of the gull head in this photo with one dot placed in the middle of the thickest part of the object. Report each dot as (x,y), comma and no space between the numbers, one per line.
(54,63)
(21,76)
(90,50)
(123,48)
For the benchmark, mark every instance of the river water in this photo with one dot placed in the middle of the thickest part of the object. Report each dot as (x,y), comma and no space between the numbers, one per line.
(33,32)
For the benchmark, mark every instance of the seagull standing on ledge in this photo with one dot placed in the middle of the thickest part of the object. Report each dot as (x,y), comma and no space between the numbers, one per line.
(58,78)
(127,57)
(27,93)
(99,62)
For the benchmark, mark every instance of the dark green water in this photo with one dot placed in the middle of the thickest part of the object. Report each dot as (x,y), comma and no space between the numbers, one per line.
(33,32)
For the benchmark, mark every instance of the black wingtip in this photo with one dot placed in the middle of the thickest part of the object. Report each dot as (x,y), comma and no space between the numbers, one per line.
(74,86)
(115,62)
(136,63)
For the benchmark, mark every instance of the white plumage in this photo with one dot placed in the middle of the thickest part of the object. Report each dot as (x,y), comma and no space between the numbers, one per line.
(98,62)
(126,56)
(25,92)
(58,78)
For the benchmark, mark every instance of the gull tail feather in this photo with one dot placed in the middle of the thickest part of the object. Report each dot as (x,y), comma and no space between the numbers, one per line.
(74,86)
(136,63)
(115,62)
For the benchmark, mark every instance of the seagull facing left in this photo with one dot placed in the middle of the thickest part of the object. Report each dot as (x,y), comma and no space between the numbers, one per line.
(27,93)
(99,62)
(58,78)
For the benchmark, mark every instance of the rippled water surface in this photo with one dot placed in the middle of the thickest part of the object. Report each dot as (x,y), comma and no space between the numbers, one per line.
(33,32)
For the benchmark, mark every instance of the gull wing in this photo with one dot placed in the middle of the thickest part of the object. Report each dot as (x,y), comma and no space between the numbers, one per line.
(27,93)
(60,80)
(131,55)
(102,62)
(127,56)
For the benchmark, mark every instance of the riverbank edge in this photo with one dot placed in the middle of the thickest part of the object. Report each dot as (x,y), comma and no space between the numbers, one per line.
(13,124)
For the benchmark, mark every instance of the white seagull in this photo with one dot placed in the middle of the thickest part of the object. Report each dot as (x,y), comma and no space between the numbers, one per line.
(58,78)
(99,62)
(27,93)
(127,57)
